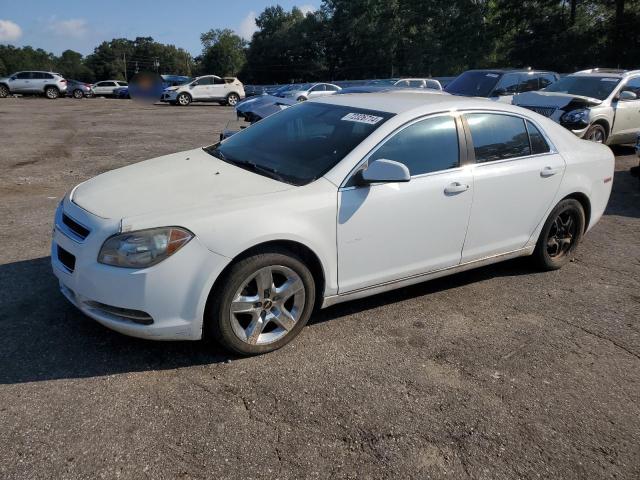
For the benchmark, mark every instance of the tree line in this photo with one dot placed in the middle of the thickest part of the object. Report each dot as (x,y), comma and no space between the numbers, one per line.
(354,39)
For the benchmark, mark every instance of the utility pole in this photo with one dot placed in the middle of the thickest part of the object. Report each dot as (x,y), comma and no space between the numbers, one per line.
(124,60)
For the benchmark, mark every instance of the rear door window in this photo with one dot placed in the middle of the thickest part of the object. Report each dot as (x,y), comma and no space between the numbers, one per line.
(498,136)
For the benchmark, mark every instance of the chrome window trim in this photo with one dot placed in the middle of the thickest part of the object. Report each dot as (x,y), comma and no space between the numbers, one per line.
(462,150)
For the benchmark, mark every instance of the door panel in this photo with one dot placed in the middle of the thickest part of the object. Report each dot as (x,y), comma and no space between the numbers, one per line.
(627,115)
(218,89)
(391,231)
(512,194)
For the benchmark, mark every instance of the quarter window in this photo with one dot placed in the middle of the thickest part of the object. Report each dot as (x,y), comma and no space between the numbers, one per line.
(426,146)
(497,137)
(538,143)
(218,81)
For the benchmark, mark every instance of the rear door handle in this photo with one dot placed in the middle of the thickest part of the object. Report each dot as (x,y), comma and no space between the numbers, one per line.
(456,187)
(548,171)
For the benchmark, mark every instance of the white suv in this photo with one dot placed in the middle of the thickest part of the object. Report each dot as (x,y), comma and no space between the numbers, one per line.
(51,84)
(601,105)
(210,88)
(106,87)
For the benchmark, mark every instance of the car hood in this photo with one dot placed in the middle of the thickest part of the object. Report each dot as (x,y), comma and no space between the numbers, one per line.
(554,99)
(174,182)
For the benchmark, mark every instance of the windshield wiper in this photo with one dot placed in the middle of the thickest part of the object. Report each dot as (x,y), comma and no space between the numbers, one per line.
(269,172)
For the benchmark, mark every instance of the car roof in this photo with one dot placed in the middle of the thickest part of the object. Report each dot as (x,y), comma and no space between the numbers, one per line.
(606,72)
(400,101)
(509,70)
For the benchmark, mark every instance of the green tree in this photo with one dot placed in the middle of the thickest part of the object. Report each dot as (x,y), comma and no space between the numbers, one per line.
(223,53)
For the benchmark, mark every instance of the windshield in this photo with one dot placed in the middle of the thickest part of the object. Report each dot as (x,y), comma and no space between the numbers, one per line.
(473,84)
(594,87)
(301,143)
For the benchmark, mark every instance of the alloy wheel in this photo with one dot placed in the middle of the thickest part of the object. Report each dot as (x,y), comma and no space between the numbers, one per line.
(232,100)
(596,135)
(183,100)
(77,94)
(51,93)
(562,234)
(4,91)
(267,305)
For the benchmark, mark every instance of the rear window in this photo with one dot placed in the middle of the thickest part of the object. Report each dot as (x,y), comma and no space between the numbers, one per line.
(300,144)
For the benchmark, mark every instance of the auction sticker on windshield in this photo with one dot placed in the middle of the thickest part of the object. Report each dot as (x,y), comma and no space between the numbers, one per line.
(361,118)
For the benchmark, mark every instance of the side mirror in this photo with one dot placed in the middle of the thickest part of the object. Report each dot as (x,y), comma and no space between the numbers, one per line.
(385,171)
(626,95)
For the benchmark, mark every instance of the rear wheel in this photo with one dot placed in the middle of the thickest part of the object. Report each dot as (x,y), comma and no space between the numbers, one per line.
(77,93)
(4,91)
(596,133)
(51,93)
(233,99)
(262,303)
(183,99)
(560,235)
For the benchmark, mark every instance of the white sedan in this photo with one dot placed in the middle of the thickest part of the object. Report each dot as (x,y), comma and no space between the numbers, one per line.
(327,201)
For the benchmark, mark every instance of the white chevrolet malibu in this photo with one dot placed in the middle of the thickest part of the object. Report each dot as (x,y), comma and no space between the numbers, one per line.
(324,202)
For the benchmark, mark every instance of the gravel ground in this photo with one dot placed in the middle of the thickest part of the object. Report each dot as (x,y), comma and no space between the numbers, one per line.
(497,373)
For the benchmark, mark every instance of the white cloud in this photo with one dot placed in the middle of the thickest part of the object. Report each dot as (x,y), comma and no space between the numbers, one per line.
(248,26)
(307,9)
(73,27)
(9,31)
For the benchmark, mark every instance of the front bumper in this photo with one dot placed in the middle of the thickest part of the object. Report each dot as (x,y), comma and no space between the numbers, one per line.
(169,96)
(172,294)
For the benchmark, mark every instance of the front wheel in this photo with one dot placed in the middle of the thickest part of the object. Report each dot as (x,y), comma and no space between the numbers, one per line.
(596,133)
(560,235)
(183,99)
(233,99)
(51,93)
(262,303)
(4,91)
(301,99)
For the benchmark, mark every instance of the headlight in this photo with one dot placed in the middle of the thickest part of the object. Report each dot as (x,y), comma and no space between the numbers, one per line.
(143,248)
(576,116)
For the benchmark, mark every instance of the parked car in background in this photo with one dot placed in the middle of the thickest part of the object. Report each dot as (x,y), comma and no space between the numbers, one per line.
(499,84)
(78,89)
(601,105)
(306,91)
(49,84)
(174,80)
(328,201)
(407,83)
(208,88)
(121,92)
(106,88)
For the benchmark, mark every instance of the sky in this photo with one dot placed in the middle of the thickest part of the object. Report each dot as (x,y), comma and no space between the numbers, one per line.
(82,25)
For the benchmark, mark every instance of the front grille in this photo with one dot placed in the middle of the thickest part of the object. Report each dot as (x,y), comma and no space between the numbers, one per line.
(79,230)
(546,111)
(66,259)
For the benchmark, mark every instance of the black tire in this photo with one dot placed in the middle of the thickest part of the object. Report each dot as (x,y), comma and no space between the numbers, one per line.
(4,91)
(183,99)
(232,99)
(596,133)
(51,93)
(77,93)
(218,319)
(560,236)
(301,99)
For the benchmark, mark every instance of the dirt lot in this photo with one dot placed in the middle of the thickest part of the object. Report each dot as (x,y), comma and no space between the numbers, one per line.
(498,373)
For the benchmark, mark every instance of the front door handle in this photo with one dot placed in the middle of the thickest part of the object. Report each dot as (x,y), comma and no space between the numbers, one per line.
(456,187)
(548,171)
